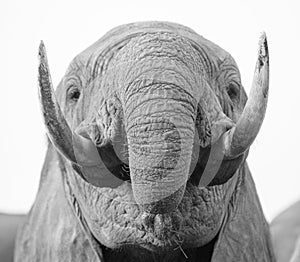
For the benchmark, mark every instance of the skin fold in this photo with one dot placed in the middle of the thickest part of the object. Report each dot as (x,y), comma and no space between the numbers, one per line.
(147,152)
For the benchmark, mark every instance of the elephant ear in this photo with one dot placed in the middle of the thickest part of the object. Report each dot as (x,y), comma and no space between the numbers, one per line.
(244,235)
(51,232)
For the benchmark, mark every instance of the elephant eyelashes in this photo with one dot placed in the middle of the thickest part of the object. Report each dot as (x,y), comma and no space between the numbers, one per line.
(74,94)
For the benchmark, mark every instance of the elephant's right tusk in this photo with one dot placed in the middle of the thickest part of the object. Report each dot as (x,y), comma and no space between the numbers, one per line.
(71,145)
(57,128)
(239,138)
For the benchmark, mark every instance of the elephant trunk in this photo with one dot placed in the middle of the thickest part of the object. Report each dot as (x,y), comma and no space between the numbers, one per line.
(160,132)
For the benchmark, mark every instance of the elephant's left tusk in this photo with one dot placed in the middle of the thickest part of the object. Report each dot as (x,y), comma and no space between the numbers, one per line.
(240,137)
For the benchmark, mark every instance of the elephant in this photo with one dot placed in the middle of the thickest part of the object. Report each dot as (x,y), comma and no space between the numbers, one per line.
(149,131)
(285,231)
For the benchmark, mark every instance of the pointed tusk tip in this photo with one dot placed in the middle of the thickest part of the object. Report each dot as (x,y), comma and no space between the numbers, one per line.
(42,50)
(263,51)
(263,35)
(42,56)
(41,46)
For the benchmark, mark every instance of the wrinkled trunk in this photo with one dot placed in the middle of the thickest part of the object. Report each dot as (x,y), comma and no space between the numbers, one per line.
(160,131)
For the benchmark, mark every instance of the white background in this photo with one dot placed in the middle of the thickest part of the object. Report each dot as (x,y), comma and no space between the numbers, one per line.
(68,27)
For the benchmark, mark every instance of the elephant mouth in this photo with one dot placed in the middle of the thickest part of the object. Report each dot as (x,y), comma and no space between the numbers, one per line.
(119,223)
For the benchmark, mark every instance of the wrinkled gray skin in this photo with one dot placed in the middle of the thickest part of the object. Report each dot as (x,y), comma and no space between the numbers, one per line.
(140,87)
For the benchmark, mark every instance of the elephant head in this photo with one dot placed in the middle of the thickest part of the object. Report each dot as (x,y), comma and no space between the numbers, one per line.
(153,127)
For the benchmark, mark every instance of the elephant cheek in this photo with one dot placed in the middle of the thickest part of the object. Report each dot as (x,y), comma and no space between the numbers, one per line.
(159,159)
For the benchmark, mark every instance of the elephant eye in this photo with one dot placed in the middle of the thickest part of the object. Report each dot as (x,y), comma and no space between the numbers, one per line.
(232,91)
(74,94)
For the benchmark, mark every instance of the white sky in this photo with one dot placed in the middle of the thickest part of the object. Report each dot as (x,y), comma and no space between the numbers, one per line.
(68,27)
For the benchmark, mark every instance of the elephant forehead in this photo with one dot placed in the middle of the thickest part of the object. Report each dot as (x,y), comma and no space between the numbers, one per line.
(159,57)
(119,36)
